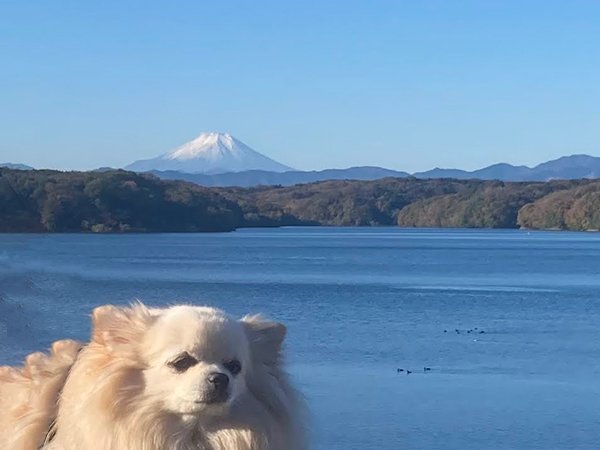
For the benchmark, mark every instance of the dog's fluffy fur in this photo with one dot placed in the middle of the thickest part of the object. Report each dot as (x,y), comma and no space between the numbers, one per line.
(126,390)
(29,395)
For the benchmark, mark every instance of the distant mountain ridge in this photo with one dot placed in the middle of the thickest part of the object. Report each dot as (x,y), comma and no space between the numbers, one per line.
(566,167)
(265,178)
(16,166)
(219,159)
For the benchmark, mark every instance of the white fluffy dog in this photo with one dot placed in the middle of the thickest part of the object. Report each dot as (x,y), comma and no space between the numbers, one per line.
(180,378)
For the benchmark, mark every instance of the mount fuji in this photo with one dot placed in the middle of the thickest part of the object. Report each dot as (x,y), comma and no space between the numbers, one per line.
(210,153)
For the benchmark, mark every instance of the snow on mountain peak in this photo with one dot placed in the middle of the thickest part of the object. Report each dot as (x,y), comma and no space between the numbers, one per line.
(210,153)
(208,144)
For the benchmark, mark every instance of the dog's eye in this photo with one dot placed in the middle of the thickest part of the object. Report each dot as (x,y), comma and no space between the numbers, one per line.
(234,366)
(183,362)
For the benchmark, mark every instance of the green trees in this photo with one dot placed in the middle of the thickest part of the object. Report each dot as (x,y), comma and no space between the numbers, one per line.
(120,201)
(114,201)
(342,203)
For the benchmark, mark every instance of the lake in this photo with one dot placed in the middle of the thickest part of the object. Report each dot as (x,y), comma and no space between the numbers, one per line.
(508,321)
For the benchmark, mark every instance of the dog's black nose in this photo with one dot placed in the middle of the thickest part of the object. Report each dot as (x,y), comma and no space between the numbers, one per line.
(219,380)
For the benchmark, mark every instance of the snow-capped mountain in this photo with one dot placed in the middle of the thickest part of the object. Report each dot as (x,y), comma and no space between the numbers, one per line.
(210,153)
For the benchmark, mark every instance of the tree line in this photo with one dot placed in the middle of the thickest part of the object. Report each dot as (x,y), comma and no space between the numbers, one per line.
(121,201)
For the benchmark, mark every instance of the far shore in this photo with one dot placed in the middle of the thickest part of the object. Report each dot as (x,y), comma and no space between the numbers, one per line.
(117,201)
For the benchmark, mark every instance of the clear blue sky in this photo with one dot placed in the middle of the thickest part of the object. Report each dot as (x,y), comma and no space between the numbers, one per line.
(402,84)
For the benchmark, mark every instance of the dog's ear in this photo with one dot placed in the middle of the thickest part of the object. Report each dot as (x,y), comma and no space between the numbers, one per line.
(265,337)
(115,327)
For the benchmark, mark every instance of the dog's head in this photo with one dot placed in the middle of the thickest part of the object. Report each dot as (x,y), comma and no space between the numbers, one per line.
(190,361)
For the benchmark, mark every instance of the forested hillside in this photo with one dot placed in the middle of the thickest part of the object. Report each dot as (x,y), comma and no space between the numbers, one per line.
(44,200)
(120,201)
(577,209)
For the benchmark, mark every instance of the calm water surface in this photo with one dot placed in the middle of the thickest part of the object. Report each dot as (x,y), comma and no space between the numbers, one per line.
(361,303)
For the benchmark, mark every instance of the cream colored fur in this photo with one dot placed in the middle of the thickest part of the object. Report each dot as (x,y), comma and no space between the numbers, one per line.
(29,396)
(123,394)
